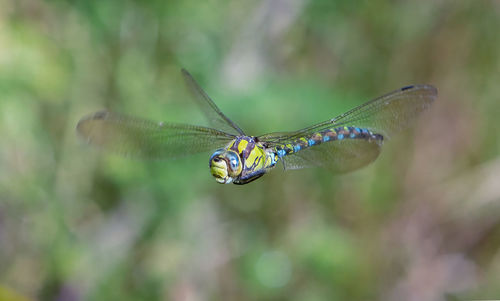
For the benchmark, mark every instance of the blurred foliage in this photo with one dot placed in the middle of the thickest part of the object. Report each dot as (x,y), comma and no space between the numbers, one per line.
(422,223)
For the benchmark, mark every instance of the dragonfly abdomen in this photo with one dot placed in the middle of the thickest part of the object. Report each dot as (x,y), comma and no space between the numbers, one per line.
(328,135)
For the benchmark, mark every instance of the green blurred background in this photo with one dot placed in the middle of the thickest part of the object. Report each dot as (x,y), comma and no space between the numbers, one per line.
(421,223)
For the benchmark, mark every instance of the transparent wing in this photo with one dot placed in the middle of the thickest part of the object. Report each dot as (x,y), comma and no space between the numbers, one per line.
(385,115)
(143,138)
(338,156)
(215,116)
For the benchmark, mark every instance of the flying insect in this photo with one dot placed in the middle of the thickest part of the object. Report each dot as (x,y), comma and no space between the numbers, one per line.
(341,144)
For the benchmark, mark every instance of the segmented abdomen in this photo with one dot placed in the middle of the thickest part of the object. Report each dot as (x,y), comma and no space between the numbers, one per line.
(328,135)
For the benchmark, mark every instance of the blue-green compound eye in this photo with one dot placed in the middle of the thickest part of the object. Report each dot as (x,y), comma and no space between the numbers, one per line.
(234,160)
(216,153)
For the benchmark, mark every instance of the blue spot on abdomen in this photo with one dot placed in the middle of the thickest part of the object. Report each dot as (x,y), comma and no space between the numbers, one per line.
(340,136)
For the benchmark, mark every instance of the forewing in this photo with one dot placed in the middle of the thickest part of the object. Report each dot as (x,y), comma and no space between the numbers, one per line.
(385,115)
(137,137)
(337,156)
(214,115)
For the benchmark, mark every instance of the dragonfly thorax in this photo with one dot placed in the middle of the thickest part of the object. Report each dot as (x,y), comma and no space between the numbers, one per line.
(225,165)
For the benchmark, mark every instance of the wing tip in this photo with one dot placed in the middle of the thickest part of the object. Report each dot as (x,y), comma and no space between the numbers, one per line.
(80,126)
(186,73)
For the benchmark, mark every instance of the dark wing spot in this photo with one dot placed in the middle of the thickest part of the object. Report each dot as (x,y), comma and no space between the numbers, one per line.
(407,88)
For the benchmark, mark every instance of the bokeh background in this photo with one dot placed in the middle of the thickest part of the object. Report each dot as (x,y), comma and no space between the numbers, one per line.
(421,223)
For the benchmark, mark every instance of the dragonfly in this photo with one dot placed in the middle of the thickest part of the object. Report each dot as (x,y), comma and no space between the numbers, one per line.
(342,144)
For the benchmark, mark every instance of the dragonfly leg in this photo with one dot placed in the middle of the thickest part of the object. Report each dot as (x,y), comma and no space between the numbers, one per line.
(244,179)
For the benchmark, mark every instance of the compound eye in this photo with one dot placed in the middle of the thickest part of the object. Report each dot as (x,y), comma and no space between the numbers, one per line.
(234,160)
(216,156)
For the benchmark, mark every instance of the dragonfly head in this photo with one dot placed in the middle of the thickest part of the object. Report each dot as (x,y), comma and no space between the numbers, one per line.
(225,165)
